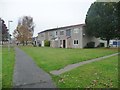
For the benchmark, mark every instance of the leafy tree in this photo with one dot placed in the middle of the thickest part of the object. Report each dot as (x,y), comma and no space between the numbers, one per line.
(118,13)
(101,20)
(24,30)
(4,31)
(22,34)
(27,21)
(47,43)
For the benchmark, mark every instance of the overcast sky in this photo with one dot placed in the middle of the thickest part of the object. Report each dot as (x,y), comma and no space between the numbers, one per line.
(47,14)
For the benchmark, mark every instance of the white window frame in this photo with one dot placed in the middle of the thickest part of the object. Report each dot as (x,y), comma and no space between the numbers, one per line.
(62,31)
(42,35)
(50,33)
(56,33)
(76,41)
(76,30)
(69,31)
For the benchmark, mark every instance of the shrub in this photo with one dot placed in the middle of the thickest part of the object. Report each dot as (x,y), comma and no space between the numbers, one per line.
(101,45)
(90,45)
(47,43)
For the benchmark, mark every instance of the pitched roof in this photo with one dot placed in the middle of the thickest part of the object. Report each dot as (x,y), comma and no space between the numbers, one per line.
(62,28)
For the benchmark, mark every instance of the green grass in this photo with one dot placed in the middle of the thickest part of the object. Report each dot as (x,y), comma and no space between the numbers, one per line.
(55,58)
(99,74)
(8,59)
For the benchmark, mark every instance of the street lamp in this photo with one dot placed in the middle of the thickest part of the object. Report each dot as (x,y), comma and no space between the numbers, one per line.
(9,34)
(0,31)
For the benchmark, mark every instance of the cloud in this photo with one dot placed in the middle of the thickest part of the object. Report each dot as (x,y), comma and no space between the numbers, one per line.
(46,13)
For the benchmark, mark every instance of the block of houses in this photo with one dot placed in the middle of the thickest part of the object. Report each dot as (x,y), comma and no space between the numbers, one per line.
(73,36)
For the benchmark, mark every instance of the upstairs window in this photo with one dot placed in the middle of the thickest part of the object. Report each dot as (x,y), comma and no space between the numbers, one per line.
(76,30)
(51,33)
(61,32)
(68,32)
(56,33)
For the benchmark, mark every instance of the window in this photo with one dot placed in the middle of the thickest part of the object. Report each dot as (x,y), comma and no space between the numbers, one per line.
(75,41)
(114,43)
(68,32)
(61,32)
(76,30)
(56,32)
(52,33)
(82,28)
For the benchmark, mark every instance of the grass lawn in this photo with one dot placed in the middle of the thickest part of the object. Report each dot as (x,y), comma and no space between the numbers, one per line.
(55,58)
(99,74)
(8,59)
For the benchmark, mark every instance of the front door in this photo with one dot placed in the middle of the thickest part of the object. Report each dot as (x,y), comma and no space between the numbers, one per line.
(42,44)
(64,44)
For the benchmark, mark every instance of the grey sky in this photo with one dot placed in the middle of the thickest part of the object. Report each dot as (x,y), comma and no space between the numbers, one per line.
(46,13)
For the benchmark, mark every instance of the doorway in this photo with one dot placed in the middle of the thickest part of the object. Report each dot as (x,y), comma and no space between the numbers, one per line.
(64,45)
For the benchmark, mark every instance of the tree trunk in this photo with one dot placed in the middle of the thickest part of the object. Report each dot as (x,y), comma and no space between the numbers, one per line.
(2,42)
(108,40)
(23,43)
(26,43)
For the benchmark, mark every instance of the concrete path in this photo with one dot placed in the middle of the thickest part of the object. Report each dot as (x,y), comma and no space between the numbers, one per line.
(72,66)
(28,75)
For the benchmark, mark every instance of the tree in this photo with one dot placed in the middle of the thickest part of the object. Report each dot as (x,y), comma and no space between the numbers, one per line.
(4,31)
(27,21)
(24,30)
(22,34)
(101,20)
(47,43)
(118,13)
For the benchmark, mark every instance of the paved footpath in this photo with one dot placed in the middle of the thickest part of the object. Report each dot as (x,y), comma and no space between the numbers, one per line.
(28,75)
(72,66)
